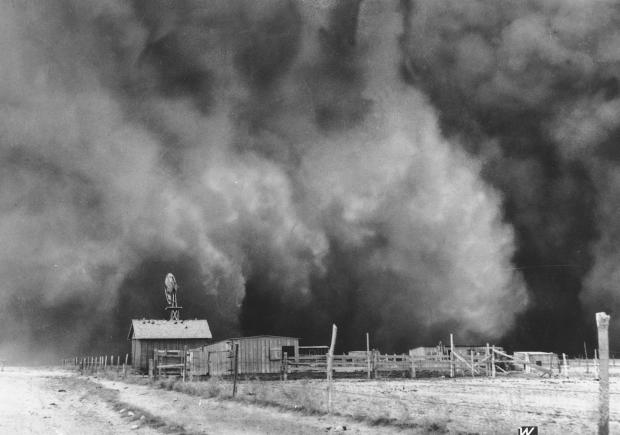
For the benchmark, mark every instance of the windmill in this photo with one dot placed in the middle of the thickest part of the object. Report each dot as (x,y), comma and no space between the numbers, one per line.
(171,289)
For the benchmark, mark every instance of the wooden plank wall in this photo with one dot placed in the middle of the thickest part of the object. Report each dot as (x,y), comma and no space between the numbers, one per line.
(254,355)
(143,349)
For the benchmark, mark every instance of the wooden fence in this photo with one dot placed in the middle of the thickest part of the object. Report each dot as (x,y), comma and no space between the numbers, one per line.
(95,364)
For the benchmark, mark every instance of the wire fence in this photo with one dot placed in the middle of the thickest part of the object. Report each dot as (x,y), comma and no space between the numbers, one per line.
(497,402)
(415,402)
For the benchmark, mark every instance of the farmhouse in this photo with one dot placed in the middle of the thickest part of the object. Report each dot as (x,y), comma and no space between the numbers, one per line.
(146,335)
(261,354)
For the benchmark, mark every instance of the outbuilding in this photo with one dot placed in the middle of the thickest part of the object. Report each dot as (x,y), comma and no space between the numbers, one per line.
(147,335)
(524,359)
(261,354)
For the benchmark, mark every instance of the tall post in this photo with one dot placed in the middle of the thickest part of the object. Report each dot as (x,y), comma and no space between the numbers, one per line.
(493,361)
(486,359)
(472,362)
(451,356)
(375,365)
(585,353)
(602,324)
(368,355)
(597,374)
(565,365)
(235,369)
(412,363)
(184,362)
(330,358)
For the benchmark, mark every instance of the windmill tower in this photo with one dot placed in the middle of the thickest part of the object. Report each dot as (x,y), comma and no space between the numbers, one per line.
(171,289)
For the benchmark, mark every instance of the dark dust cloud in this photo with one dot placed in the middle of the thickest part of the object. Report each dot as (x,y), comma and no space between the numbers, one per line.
(404,168)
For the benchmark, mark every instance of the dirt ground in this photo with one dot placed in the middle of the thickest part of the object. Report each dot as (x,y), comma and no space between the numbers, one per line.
(39,401)
(47,402)
(462,405)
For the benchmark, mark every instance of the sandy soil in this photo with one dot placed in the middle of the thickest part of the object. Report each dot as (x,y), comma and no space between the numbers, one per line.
(481,405)
(208,415)
(44,402)
(36,401)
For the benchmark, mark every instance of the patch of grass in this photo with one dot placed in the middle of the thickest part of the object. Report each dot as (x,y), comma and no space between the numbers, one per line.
(112,398)
(212,388)
(301,398)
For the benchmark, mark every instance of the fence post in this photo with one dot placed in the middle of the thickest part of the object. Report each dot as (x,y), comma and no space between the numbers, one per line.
(451,356)
(374,362)
(487,354)
(184,362)
(368,355)
(330,357)
(472,362)
(597,374)
(236,369)
(565,365)
(602,324)
(285,366)
(151,367)
(493,361)
(412,364)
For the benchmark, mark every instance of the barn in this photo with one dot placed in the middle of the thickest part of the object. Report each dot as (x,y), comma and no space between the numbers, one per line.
(146,335)
(261,354)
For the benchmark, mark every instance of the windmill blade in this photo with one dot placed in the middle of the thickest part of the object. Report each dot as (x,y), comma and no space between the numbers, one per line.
(170,288)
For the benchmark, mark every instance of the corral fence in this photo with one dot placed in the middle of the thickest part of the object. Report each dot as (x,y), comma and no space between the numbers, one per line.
(478,360)
(372,364)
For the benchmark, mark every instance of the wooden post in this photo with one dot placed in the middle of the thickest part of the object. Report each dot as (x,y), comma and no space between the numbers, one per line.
(184,362)
(486,359)
(451,356)
(602,324)
(493,361)
(412,364)
(585,353)
(285,366)
(330,358)
(596,366)
(565,365)
(368,355)
(472,362)
(235,369)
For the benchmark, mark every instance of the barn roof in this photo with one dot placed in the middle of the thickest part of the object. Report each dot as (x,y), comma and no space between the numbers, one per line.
(534,352)
(260,336)
(169,329)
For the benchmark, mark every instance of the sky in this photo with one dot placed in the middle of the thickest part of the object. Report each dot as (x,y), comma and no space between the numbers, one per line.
(407,168)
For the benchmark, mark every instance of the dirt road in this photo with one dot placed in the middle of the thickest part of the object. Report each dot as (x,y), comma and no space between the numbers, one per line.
(44,402)
(35,401)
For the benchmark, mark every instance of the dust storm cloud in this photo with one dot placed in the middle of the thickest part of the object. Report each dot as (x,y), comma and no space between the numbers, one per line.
(404,168)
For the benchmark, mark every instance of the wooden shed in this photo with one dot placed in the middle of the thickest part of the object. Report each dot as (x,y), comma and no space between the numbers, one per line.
(546,360)
(261,354)
(146,335)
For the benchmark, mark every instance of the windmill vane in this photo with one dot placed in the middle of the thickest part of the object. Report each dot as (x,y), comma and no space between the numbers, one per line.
(171,289)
